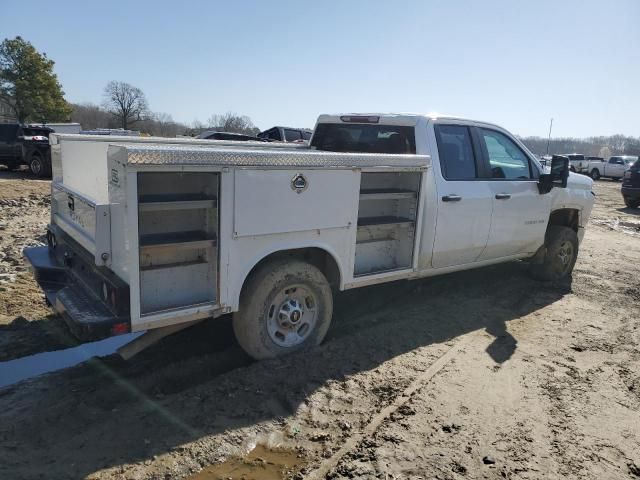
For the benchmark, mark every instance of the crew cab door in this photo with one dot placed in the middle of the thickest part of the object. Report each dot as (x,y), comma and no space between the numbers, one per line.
(464,199)
(520,213)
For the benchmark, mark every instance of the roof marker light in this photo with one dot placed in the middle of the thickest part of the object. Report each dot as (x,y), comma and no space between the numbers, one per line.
(360,118)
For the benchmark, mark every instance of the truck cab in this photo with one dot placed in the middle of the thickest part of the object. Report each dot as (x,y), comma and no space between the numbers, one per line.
(155,234)
(482,188)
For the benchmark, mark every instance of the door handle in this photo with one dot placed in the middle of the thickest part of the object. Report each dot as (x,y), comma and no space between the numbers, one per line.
(503,196)
(451,198)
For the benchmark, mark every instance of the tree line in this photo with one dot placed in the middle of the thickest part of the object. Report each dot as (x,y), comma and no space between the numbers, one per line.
(30,92)
(92,116)
(603,146)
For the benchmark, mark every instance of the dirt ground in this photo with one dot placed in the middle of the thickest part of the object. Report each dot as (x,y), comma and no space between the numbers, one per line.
(480,374)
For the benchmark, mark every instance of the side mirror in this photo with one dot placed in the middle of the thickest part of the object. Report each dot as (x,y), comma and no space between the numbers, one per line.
(558,177)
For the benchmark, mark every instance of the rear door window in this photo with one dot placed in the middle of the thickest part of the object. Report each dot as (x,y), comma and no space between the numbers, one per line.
(455,149)
(364,138)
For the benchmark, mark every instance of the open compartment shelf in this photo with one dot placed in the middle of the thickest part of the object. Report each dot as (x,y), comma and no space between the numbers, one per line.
(177,233)
(386,222)
(156,205)
(386,194)
(195,239)
(165,266)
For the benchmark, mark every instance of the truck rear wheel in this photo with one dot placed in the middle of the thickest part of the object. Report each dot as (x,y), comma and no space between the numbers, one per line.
(39,165)
(561,255)
(595,174)
(631,203)
(285,306)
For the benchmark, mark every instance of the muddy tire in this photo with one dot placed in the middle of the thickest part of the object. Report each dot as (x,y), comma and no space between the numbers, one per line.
(285,306)
(631,203)
(562,252)
(595,174)
(39,166)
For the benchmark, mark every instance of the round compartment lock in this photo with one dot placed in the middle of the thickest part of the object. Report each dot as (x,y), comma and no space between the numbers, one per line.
(299,183)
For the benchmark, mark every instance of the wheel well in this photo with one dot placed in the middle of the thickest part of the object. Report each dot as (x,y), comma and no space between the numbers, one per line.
(317,257)
(566,217)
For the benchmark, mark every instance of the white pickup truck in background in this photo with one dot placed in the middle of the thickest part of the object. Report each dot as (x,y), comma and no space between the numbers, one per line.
(613,168)
(577,162)
(157,234)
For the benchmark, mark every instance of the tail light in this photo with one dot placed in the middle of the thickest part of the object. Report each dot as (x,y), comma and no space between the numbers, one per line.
(120,328)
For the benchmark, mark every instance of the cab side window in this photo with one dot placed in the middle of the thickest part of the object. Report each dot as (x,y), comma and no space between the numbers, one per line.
(455,149)
(291,135)
(506,160)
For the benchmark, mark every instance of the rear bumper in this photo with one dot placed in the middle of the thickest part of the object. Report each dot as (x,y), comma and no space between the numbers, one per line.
(631,192)
(72,285)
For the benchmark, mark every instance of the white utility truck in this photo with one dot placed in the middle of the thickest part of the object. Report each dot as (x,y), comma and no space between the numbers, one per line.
(156,234)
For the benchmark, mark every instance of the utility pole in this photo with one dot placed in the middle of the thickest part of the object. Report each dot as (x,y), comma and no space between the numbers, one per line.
(549,137)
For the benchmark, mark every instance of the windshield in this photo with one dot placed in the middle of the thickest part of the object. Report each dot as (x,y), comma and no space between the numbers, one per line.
(340,137)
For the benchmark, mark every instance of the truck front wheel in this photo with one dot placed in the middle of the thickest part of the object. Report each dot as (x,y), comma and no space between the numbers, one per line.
(285,306)
(562,251)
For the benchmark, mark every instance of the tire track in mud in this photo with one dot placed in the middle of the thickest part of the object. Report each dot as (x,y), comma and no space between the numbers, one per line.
(418,383)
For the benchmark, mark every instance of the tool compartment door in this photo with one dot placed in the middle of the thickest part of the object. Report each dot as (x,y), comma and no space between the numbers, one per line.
(84,220)
(282,201)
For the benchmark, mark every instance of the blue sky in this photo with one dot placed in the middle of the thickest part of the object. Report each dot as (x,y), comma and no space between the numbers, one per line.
(516,63)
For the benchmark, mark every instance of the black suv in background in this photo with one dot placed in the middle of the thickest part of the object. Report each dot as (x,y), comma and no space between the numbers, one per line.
(24,144)
(286,134)
(631,186)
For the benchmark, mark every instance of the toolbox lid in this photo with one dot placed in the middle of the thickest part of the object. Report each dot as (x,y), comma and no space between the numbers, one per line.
(140,154)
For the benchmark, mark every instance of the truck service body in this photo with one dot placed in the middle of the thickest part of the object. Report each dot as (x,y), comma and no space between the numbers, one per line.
(154,234)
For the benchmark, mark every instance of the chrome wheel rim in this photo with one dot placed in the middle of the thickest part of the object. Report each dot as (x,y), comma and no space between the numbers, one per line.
(292,316)
(565,255)
(36,165)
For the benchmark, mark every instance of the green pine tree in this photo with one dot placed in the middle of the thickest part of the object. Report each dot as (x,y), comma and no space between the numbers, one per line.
(28,85)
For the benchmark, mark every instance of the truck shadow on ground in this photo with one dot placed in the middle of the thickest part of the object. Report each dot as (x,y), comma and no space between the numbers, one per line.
(107,412)
(629,211)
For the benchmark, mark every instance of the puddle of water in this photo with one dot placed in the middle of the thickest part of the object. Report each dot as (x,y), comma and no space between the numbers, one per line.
(14,371)
(262,463)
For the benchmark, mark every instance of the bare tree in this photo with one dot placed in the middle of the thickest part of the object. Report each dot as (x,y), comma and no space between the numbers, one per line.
(164,126)
(232,122)
(125,102)
(91,116)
